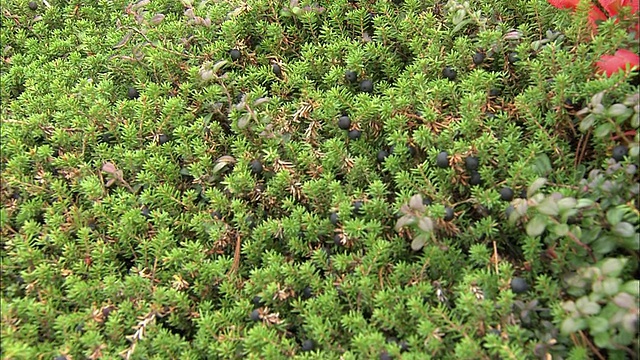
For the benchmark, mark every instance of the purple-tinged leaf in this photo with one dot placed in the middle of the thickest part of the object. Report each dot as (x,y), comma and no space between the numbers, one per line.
(157,19)
(124,40)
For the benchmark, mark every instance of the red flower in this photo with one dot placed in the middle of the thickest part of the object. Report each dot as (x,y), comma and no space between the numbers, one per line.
(613,6)
(565,4)
(610,64)
(595,15)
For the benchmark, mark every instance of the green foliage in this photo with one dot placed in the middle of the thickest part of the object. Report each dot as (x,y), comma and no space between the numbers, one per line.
(135,222)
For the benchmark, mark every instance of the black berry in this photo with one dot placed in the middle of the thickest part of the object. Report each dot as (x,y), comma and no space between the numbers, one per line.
(357,206)
(478,58)
(255,315)
(523,194)
(442,160)
(276,70)
(257,301)
(307,345)
(366,86)
(506,193)
(475,179)
(351,76)
(337,239)
(448,214)
(382,155)
(344,122)
(519,285)
(33,6)
(449,73)
(384,355)
(235,54)
(404,346)
(513,58)
(307,293)
(494,92)
(334,218)
(250,221)
(471,163)
(145,212)
(619,152)
(163,139)
(355,134)
(216,214)
(106,138)
(412,150)
(60,357)
(132,93)
(256,167)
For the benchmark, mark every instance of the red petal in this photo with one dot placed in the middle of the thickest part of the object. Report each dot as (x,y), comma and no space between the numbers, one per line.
(564,4)
(613,6)
(595,15)
(610,64)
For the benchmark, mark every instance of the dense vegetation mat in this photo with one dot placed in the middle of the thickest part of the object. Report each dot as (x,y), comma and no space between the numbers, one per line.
(336,179)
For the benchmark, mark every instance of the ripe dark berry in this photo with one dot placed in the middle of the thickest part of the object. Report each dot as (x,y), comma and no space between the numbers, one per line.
(60,357)
(257,301)
(506,193)
(132,93)
(426,201)
(235,54)
(404,346)
(523,194)
(307,345)
(478,58)
(619,152)
(106,312)
(442,160)
(382,155)
(384,355)
(255,315)
(357,206)
(250,221)
(216,214)
(448,214)
(475,179)
(337,239)
(344,122)
(163,139)
(519,285)
(513,57)
(449,73)
(412,150)
(355,134)
(276,70)
(145,212)
(256,167)
(334,218)
(351,76)
(307,293)
(471,163)
(33,5)
(106,138)
(495,92)
(366,86)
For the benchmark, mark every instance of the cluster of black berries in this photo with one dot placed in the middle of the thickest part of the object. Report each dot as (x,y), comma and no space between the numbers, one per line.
(366,85)
(344,123)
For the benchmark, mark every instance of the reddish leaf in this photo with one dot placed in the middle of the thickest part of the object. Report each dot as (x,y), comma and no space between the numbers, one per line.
(610,64)
(564,4)
(613,6)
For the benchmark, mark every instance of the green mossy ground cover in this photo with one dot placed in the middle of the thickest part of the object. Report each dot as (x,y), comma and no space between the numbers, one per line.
(268,179)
